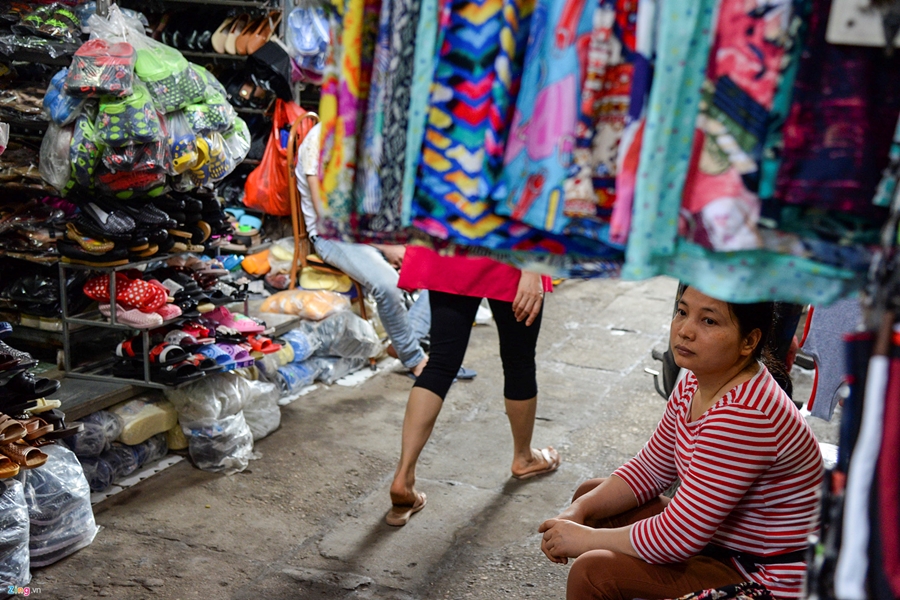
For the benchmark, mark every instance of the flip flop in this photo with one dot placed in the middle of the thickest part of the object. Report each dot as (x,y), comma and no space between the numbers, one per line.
(400,515)
(551,458)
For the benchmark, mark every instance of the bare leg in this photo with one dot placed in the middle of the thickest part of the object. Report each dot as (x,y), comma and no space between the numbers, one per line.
(422,410)
(521,421)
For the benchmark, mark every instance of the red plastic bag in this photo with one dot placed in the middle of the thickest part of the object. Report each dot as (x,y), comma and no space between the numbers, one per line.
(267,186)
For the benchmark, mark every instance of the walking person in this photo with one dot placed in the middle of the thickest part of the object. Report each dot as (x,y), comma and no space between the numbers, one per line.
(456,286)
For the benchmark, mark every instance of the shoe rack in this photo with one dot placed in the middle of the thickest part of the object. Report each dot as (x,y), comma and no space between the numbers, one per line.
(101,370)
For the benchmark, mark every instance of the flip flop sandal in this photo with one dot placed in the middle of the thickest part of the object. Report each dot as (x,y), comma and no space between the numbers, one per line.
(25,386)
(263,344)
(169,312)
(11,430)
(167,354)
(27,457)
(204,363)
(178,373)
(87,243)
(399,515)
(240,355)
(133,318)
(184,339)
(8,468)
(216,353)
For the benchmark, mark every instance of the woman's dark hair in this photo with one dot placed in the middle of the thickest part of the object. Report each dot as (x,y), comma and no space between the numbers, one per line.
(765,317)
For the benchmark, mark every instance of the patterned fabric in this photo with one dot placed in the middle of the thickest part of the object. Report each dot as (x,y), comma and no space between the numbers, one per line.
(630,143)
(540,144)
(720,208)
(476,80)
(748,590)
(838,132)
(605,100)
(344,94)
(368,178)
(423,70)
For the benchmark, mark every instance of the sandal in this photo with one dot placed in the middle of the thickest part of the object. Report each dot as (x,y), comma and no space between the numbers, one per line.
(222,358)
(167,354)
(25,386)
(27,457)
(263,344)
(178,373)
(11,430)
(8,468)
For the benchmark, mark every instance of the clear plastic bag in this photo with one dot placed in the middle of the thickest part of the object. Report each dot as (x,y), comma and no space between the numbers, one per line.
(304,340)
(209,399)
(98,473)
(307,304)
(237,138)
(295,376)
(222,445)
(182,143)
(59,507)
(100,429)
(332,368)
(59,106)
(102,68)
(261,410)
(347,335)
(54,163)
(121,458)
(15,564)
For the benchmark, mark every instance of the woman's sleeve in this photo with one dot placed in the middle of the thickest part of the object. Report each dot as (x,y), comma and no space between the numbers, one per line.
(735,447)
(653,469)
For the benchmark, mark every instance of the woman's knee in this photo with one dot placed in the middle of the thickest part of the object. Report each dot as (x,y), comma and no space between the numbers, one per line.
(586,487)
(592,576)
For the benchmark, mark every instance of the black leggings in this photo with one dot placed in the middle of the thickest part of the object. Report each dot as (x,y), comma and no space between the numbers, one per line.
(452,317)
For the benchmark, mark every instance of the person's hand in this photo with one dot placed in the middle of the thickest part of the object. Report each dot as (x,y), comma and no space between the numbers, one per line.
(393,254)
(529,297)
(564,539)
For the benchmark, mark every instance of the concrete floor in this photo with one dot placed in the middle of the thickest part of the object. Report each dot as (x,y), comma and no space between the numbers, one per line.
(306,519)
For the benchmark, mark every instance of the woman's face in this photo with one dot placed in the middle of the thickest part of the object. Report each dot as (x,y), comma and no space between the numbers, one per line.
(705,337)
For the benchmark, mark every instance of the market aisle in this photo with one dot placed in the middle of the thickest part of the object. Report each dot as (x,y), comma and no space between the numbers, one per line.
(306,520)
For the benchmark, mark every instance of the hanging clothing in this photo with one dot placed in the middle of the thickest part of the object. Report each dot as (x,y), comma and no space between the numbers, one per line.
(345,90)
(837,137)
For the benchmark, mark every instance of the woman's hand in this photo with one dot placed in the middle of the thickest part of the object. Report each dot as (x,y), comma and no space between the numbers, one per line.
(529,297)
(564,539)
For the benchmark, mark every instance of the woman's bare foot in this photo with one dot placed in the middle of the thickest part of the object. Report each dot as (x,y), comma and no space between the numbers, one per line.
(545,460)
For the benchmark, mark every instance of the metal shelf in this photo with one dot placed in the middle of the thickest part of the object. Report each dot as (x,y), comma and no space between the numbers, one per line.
(212,55)
(243,3)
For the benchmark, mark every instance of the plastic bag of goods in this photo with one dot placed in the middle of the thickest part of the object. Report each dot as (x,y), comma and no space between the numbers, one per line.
(261,410)
(15,564)
(306,304)
(59,507)
(347,335)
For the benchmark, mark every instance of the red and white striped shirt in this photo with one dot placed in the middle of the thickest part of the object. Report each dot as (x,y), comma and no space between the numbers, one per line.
(750,471)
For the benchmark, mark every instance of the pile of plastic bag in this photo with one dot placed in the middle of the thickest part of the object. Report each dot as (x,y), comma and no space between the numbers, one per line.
(222,416)
(131,117)
(105,460)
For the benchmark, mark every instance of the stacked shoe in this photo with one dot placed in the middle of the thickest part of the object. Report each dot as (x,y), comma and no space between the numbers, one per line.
(140,304)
